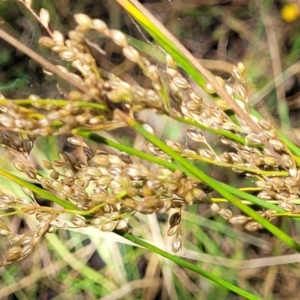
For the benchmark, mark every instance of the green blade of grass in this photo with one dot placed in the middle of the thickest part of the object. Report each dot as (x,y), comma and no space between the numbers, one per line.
(189,266)
(41,192)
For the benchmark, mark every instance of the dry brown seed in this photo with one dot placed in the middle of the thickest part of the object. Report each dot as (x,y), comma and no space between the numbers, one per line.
(84,20)
(176,244)
(287,161)
(277,144)
(110,226)
(30,172)
(131,53)
(19,166)
(27,249)
(172,230)
(92,171)
(54,175)
(207,154)
(122,225)
(58,38)
(215,207)
(270,161)
(6,120)
(181,82)
(47,42)
(79,221)
(196,135)
(287,206)
(265,125)
(175,219)
(118,37)
(13,253)
(174,145)
(239,219)
(26,240)
(209,88)
(225,213)
(253,226)
(47,164)
(44,17)
(99,25)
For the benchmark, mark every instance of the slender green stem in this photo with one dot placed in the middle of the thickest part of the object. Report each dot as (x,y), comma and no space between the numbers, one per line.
(179,261)
(38,191)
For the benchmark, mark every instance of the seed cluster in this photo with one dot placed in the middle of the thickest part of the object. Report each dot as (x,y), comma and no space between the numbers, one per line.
(107,189)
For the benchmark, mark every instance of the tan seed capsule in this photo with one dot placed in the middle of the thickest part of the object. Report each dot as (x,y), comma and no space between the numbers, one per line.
(238,219)
(44,17)
(118,37)
(19,166)
(47,42)
(109,226)
(215,207)
(225,213)
(277,144)
(99,25)
(84,20)
(175,219)
(176,244)
(287,206)
(253,226)
(58,37)
(131,53)
(172,230)
(181,82)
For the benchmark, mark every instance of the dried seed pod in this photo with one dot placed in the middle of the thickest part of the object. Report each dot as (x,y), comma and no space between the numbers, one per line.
(239,219)
(58,38)
(174,145)
(176,244)
(277,144)
(225,213)
(19,166)
(181,82)
(131,53)
(289,207)
(118,37)
(196,135)
(79,221)
(47,42)
(172,230)
(215,207)
(253,226)
(44,17)
(110,226)
(83,20)
(100,26)
(175,219)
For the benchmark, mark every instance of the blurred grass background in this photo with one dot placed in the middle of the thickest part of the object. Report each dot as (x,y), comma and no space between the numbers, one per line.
(88,264)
